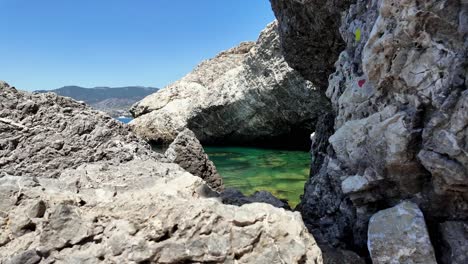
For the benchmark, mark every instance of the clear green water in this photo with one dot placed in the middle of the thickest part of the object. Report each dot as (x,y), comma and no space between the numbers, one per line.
(281,172)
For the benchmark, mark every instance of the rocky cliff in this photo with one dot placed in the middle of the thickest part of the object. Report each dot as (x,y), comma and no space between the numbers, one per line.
(400,100)
(248,94)
(77,186)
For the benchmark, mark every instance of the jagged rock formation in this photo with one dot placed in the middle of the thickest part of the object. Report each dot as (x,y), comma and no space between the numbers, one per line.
(248,94)
(399,235)
(187,152)
(400,100)
(111,200)
(43,134)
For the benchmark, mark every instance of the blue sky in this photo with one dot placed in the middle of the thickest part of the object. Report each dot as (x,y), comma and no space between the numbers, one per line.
(48,44)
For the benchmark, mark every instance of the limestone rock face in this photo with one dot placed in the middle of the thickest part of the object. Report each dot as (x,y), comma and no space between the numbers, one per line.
(399,235)
(245,95)
(43,134)
(112,200)
(399,96)
(166,220)
(187,151)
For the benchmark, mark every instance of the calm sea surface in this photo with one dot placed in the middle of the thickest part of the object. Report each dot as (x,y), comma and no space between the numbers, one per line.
(281,172)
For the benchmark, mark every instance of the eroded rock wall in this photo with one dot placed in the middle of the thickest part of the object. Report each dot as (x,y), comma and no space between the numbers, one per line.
(246,95)
(400,100)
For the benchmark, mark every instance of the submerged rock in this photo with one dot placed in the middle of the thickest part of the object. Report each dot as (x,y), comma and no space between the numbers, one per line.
(112,200)
(246,95)
(399,235)
(235,197)
(187,151)
(43,134)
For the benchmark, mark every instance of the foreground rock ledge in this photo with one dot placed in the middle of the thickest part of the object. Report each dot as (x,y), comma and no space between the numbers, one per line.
(84,189)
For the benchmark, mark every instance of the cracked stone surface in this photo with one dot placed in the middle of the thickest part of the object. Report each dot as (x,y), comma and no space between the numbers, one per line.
(399,97)
(110,199)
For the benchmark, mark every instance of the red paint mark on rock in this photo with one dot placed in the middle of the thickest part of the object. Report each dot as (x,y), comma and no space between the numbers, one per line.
(361,83)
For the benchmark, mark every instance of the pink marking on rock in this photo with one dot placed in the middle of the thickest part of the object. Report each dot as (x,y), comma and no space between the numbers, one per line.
(361,83)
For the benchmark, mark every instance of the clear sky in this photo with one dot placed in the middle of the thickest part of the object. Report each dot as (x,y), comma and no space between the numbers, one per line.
(47,44)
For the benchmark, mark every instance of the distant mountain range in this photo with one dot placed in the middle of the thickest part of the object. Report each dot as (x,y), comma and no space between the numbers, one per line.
(115,101)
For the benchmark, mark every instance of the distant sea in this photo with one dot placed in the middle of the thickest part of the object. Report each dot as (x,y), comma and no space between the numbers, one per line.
(125,120)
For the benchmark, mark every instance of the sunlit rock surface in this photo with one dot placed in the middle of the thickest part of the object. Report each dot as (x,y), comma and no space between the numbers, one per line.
(248,94)
(187,151)
(79,187)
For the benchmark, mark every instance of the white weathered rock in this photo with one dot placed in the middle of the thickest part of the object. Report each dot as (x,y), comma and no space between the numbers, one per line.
(246,94)
(110,199)
(165,221)
(399,235)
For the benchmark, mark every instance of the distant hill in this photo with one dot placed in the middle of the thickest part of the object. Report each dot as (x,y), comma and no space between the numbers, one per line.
(114,101)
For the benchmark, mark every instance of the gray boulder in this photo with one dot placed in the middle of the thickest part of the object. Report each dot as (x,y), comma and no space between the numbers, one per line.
(399,235)
(187,151)
(235,197)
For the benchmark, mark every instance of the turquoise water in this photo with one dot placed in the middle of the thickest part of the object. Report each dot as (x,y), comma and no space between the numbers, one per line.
(281,172)
(125,120)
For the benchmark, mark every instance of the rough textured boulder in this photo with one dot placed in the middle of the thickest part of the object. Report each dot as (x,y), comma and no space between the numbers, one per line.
(112,200)
(167,220)
(43,134)
(399,97)
(399,235)
(187,151)
(248,94)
